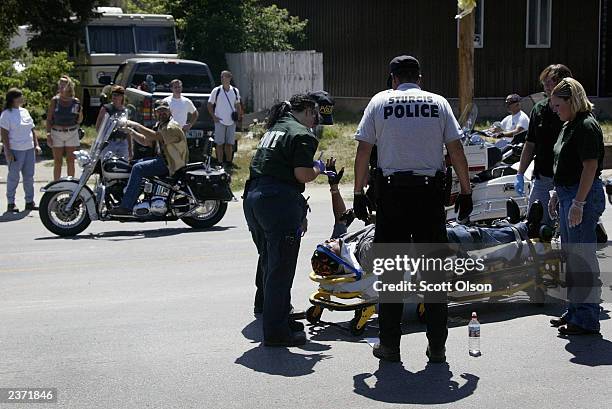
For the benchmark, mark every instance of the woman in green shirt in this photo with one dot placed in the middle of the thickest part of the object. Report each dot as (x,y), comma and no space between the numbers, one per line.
(578,200)
(275,209)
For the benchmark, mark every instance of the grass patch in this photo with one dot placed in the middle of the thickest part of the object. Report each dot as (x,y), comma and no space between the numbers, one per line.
(337,141)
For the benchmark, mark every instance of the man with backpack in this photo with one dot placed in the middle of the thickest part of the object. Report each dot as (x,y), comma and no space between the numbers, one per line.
(225,109)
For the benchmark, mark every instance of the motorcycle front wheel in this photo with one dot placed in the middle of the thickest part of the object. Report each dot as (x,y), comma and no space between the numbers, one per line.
(57,219)
(207,215)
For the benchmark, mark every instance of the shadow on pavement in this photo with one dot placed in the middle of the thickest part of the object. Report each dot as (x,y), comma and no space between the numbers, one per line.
(279,361)
(589,350)
(457,316)
(392,383)
(13,217)
(121,235)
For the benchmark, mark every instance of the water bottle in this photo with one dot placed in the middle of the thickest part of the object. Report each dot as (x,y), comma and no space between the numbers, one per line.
(474,336)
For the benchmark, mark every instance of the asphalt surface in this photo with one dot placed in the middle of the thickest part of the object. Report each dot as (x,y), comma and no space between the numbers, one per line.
(160,315)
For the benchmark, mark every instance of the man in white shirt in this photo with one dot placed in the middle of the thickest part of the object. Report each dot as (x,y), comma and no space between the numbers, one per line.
(225,109)
(515,123)
(182,109)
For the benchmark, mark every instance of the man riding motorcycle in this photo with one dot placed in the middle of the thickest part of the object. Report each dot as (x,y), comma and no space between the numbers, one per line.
(175,154)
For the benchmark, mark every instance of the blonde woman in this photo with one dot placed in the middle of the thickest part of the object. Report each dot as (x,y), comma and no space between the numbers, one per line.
(578,201)
(63,119)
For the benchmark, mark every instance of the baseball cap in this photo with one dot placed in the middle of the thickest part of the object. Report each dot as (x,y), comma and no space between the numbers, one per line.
(161,104)
(404,63)
(512,98)
(326,106)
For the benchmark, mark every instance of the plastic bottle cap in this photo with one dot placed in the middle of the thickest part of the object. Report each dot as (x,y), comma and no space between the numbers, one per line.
(474,314)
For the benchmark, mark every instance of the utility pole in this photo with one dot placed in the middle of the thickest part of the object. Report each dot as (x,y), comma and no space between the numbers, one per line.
(466,60)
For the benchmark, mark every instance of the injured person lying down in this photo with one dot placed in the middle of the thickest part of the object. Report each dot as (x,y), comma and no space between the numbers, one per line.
(352,253)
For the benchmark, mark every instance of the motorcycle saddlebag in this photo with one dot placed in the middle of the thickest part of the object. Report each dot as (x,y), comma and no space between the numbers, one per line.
(210,184)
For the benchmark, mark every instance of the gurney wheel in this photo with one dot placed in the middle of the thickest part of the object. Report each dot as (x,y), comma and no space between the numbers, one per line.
(420,312)
(313,314)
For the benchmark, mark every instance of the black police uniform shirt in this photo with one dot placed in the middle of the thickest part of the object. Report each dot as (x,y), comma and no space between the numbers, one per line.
(579,140)
(409,126)
(284,147)
(544,128)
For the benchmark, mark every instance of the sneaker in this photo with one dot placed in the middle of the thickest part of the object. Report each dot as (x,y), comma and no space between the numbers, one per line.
(31,206)
(385,353)
(120,211)
(11,208)
(296,339)
(436,356)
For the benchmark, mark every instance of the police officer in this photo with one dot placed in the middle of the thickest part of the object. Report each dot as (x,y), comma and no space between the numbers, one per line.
(275,209)
(410,127)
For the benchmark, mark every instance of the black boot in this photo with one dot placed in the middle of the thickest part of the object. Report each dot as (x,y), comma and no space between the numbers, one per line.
(534,218)
(11,208)
(513,211)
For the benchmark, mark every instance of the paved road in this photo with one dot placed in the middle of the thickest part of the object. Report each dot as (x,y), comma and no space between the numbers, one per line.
(160,315)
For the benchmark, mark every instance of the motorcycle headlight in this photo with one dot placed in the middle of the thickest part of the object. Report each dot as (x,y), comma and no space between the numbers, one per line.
(83,158)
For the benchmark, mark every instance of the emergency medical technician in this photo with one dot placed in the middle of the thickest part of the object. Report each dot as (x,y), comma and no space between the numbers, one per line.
(410,127)
(275,209)
(544,129)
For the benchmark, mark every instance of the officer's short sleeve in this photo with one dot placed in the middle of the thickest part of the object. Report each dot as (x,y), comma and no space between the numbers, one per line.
(452,130)
(591,138)
(366,131)
(304,148)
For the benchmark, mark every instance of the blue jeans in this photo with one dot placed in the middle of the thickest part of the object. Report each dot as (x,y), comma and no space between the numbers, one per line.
(146,168)
(539,191)
(274,212)
(24,163)
(580,244)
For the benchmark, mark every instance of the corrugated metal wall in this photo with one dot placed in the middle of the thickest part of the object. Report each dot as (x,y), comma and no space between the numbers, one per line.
(266,78)
(359,37)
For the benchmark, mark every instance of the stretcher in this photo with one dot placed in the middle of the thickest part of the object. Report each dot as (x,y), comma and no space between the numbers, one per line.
(530,266)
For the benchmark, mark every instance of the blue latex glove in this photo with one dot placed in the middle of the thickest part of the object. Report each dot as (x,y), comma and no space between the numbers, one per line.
(319,164)
(519,184)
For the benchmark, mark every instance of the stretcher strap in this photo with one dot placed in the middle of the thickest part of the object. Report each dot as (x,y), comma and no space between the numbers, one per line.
(340,261)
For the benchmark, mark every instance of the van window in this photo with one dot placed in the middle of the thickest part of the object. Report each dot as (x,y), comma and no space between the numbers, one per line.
(195,77)
(155,40)
(111,40)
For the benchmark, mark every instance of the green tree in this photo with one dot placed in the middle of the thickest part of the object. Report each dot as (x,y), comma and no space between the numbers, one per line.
(211,28)
(152,6)
(57,22)
(38,80)
(270,28)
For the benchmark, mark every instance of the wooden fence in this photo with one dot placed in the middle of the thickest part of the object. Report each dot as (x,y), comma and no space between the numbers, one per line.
(265,78)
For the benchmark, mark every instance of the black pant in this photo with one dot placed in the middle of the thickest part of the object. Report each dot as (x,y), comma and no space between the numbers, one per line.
(274,212)
(411,214)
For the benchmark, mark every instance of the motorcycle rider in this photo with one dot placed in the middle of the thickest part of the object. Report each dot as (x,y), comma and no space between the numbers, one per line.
(175,154)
